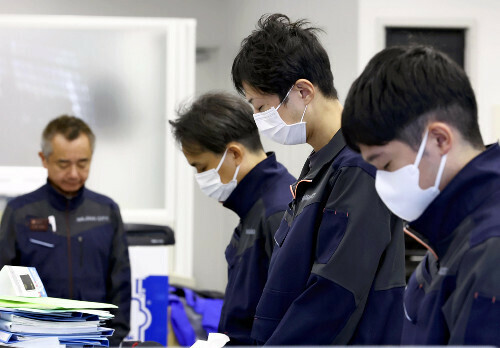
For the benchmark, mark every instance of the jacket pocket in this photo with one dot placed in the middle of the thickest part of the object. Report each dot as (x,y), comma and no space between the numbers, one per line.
(413,296)
(284,227)
(281,233)
(330,234)
(482,325)
(42,243)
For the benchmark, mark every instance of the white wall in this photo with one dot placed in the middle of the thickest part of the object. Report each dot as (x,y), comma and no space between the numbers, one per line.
(483,41)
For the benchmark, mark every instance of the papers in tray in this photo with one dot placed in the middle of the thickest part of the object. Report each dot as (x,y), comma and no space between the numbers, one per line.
(13,340)
(50,303)
(33,322)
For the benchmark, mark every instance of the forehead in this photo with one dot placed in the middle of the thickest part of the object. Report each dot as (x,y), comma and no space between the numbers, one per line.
(71,148)
(252,93)
(394,149)
(199,157)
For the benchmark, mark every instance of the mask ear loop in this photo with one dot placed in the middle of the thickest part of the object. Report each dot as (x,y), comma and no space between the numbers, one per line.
(441,164)
(287,93)
(421,149)
(236,172)
(440,171)
(304,113)
(221,161)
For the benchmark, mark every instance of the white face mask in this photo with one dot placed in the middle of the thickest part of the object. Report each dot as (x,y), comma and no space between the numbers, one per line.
(400,191)
(211,184)
(271,125)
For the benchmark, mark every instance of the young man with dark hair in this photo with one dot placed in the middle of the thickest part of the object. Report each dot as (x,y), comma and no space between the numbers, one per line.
(220,139)
(412,113)
(337,272)
(73,236)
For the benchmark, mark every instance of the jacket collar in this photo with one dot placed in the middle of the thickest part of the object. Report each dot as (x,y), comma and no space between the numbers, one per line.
(61,202)
(479,179)
(254,185)
(317,160)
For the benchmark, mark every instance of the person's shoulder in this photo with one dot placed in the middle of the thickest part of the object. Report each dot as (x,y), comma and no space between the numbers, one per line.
(18,202)
(348,158)
(284,175)
(277,194)
(485,220)
(99,198)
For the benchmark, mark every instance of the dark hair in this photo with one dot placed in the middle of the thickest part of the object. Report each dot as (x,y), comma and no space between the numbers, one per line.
(273,57)
(214,120)
(401,90)
(70,127)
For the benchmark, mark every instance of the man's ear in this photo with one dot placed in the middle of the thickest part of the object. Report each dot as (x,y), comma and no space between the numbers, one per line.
(44,160)
(306,90)
(236,151)
(443,135)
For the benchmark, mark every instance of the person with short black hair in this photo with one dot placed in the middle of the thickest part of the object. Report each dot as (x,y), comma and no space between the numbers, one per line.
(73,236)
(220,139)
(337,271)
(412,113)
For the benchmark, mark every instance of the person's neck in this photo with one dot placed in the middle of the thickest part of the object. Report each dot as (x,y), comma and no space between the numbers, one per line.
(458,158)
(323,122)
(249,163)
(67,195)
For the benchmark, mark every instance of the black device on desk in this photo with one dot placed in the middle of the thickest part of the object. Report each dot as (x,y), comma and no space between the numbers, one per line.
(145,234)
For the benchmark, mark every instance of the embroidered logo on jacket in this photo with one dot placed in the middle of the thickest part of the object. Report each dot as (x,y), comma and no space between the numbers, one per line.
(39,225)
(308,197)
(90,218)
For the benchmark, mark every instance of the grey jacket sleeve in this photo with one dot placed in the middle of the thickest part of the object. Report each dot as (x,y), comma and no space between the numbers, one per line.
(271,226)
(473,309)
(119,282)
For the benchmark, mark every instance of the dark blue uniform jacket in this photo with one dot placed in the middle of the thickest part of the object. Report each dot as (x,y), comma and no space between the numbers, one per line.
(260,200)
(337,272)
(86,258)
(453,297)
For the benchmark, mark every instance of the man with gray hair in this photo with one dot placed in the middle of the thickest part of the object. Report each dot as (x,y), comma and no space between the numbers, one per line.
(73,236)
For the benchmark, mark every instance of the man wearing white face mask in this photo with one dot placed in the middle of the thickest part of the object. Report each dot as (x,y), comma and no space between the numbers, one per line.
(220,139)
(412,113)
(337,272)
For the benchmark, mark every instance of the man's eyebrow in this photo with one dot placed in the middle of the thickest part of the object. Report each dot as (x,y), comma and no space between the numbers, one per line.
(372,157)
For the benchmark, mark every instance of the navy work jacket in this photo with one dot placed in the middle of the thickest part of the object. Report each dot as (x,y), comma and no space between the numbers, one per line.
(453,297)
(260,200)
(337,272)
(83,256)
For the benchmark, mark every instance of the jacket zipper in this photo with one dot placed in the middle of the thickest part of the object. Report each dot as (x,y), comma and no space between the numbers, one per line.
(415,235)
(294,192)
(68,238)
(80,241)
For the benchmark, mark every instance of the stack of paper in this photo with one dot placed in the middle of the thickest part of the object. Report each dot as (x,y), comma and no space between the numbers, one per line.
(53,322)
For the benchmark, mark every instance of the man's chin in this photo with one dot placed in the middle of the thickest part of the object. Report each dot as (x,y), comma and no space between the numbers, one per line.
(68,190)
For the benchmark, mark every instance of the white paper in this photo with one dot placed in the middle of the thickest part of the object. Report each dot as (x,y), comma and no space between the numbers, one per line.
(215,340)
